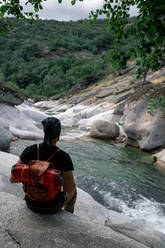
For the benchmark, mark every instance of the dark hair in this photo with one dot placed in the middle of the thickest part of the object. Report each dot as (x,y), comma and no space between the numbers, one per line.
(52,129)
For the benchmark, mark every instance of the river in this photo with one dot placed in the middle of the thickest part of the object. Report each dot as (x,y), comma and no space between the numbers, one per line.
(120,177)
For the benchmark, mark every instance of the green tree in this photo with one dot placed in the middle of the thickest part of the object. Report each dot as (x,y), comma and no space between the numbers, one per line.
(31,90)
(30,51)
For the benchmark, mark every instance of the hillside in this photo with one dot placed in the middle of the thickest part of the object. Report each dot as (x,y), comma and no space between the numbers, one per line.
(118,88)
(49,57)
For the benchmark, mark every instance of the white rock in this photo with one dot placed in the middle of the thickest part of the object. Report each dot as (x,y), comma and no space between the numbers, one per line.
(19,123)
(87,123)
(58,109)
(31,112)
(46,104)
(24,134)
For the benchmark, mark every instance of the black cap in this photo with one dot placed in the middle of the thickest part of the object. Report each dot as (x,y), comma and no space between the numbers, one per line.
(52,129)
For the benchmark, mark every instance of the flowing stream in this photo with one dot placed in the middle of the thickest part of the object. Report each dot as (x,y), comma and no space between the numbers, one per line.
(121,178)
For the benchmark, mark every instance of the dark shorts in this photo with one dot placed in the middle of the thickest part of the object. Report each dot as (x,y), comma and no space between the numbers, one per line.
(53,206)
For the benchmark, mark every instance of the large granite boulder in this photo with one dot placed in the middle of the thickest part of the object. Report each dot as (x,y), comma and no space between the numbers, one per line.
(144,130)
(104,115)
(20,227)
(104,129)
(9,95)
(31,112)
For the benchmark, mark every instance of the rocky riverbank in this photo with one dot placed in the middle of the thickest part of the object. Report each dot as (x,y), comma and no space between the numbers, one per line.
(116,108)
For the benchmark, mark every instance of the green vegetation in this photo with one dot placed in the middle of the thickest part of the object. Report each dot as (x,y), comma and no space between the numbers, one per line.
(48,57)
(155,104)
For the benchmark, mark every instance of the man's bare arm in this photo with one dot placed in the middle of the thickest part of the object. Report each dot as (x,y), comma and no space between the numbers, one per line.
(69,183)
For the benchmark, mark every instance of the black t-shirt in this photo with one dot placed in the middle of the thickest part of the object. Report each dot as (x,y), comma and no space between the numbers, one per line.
(61,159)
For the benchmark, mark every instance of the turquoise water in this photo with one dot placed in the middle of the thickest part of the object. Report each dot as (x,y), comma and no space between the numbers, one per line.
(119,177)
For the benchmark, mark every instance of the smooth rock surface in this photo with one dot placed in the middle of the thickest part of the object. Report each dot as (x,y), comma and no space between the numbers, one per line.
(6,162)
(102,116)
(45,105)
(82,116)
(73,115)
(104,130)
(23,228)
(136,230)
(143,130)
(20,227)
(32,113)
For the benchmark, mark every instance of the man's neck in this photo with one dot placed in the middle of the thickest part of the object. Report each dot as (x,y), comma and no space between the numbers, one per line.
(54,143)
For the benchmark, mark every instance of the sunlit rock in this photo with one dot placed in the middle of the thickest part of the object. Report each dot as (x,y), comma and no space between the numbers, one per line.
(31,112)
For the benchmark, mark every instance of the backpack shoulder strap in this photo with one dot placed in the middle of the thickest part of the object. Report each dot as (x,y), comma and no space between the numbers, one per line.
(52,155)
(38,155)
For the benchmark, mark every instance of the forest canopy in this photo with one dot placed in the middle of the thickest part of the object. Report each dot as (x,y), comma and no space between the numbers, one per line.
(148,31)
(49,57)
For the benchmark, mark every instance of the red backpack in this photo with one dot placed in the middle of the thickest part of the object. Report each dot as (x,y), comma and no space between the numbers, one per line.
(41,181)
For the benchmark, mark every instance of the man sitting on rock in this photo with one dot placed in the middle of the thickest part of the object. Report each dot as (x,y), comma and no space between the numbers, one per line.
(61,160)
